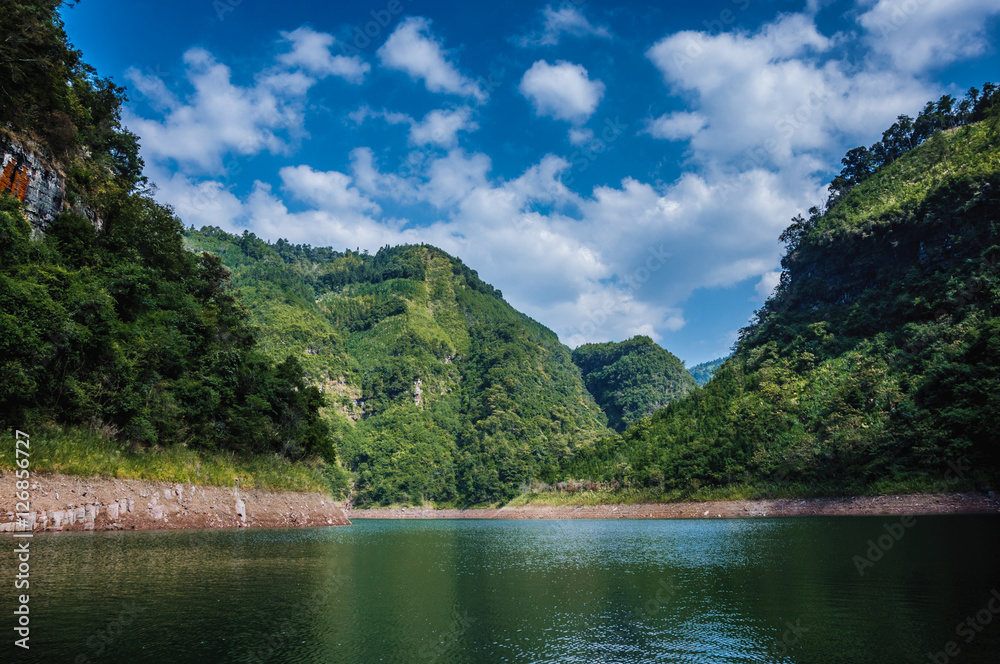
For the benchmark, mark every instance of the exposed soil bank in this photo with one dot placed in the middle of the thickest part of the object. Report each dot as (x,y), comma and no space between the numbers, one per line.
(953,503)
(66,502)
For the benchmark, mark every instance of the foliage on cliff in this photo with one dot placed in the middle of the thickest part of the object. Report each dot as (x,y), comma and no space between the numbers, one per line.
(49,94)
(440,390)
(125,330)
(877,360)
(119,329)
(632,379)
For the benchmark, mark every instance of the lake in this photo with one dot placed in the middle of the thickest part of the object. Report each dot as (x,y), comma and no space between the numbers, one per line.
(748,590)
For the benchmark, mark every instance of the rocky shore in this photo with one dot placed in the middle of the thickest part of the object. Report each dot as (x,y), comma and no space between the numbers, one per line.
(955,503)
(65,502)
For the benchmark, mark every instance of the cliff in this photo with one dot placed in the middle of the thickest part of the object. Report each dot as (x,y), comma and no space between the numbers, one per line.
(33,179)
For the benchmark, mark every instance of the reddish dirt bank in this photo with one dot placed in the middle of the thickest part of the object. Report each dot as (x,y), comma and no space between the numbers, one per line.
(65,502)
(954,503)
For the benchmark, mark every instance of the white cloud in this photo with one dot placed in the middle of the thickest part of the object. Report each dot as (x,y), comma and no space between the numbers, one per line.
(440,127)
(413,50)
(565,20)
(563,91)
(196,202)
(218,117)
(580,137)
(363,113)
(917,34)
(768,282)
(331,191)
(452,178)
(677,126)
(768,114)
(311,51)
(780,98)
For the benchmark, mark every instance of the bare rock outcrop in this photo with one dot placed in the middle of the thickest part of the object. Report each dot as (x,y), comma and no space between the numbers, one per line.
(65,502)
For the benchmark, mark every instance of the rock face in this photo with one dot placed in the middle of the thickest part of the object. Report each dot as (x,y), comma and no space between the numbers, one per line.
(33,180)
(63,502)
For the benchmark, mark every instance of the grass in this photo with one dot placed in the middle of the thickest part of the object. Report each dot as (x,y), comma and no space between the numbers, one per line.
(88,453)
(738,492)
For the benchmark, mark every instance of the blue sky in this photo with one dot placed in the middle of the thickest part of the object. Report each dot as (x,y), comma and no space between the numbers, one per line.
(614,168)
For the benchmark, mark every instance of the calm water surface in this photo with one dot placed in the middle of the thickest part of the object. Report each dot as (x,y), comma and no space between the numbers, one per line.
(765,590)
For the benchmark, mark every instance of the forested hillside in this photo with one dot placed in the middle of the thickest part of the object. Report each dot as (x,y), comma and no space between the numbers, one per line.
(109,328)
(876,363)
(632,379)
(439,390)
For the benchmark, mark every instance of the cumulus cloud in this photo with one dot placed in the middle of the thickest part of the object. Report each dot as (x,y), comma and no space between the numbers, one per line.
(440,127)
(780,99)
(566,20)
(563,91)
(677,126)
(768,282)
(412,49)
(917,34)
(767,114)
(311,51)
(327,190)
(218,117)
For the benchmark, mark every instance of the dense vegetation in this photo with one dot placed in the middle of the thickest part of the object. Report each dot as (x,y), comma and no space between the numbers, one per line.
(133,347)
(49,95)
(440,390)
(876,363)
(702,373)
(119,329)
(632,379)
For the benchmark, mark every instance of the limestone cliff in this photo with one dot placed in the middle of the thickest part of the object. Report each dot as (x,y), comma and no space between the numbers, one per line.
(32,178)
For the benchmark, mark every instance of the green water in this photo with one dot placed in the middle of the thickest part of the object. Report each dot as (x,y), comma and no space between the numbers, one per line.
(514,591)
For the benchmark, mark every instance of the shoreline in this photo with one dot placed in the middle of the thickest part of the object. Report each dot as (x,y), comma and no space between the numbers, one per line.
(72,503)
(888,505)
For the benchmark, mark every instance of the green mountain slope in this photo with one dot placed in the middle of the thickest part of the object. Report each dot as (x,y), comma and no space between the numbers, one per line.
(440,390)
(875,365)
(120,352)
(632,379)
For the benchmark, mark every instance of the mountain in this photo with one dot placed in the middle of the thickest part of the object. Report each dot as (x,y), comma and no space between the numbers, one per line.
(632,379)
(875,366)
(114,340)
(438,389)
(702,373)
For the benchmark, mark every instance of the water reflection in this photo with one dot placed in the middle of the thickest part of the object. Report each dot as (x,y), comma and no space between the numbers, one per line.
(766,590)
